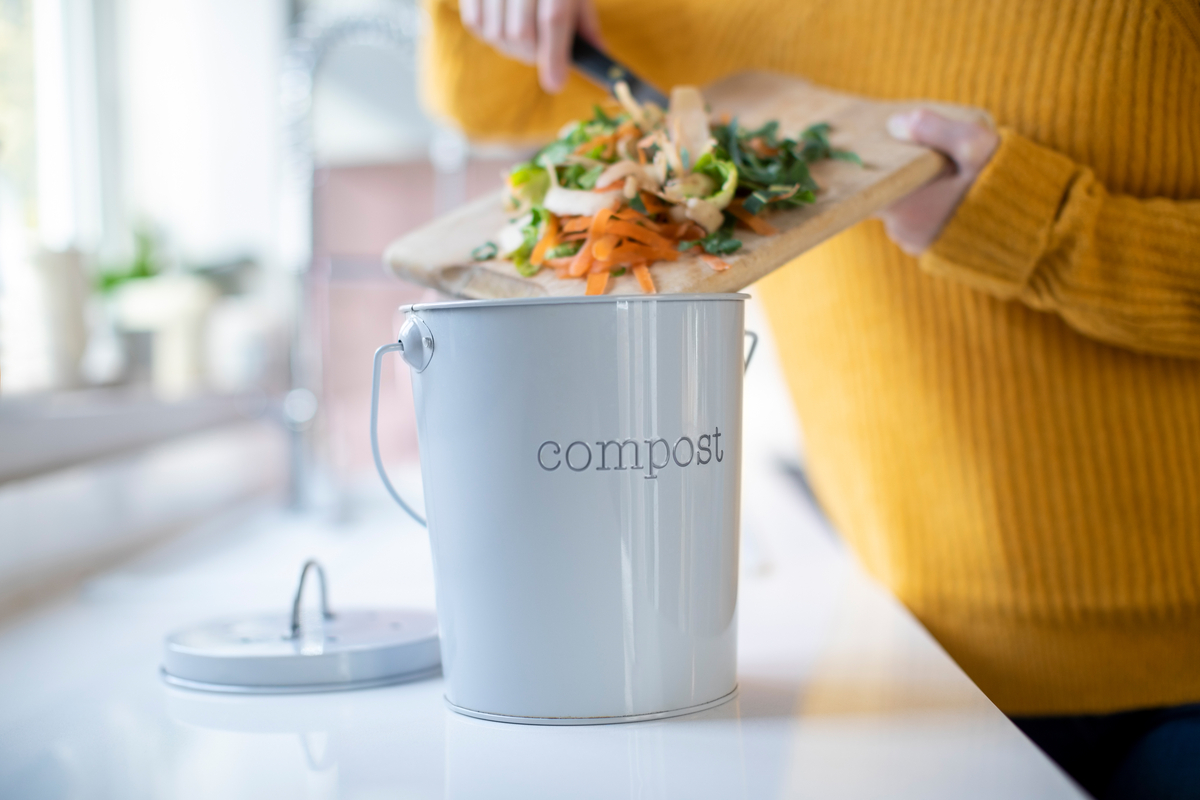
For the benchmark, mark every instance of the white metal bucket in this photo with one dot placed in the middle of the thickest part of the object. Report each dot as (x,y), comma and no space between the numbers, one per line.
(581,460)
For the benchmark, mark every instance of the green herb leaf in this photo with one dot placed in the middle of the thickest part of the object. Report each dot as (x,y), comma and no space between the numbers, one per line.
(485,251)
(618,271)
(720,242)
(756,202)
(588,179)
(564,250)
(554,153)
(577,136)
(637,205)
(601,118)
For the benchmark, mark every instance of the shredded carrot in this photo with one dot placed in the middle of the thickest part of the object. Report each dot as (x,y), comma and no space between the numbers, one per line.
(605,139)
(610,187)
(642,273)
(574,224)
(761,148)
(582,260)
(603,247)
(596,282)
(626,128)
(630,252)
(599,223)
(633,215)
(717,264)
(638,233)
(573,237)
(549,239)
(753,221)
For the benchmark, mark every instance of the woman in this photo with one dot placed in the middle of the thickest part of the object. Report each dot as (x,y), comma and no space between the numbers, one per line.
(999,381)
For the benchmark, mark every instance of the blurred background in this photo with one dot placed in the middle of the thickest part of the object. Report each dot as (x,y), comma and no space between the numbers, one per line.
(194,199)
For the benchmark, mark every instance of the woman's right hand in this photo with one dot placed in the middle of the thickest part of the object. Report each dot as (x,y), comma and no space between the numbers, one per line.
(534,31)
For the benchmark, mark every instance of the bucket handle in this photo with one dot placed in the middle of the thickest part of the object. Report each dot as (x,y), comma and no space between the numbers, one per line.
(379,354)
(398,347)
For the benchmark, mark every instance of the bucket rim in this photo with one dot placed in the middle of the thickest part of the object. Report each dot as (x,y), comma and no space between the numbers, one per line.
(450,305)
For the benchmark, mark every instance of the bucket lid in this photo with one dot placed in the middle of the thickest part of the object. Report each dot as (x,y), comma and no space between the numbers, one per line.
(287,653)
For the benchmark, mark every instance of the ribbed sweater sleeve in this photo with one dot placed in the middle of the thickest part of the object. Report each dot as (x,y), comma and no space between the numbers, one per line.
(1042,229)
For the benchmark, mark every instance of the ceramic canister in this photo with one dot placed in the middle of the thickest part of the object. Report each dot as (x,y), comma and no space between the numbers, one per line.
(581,460)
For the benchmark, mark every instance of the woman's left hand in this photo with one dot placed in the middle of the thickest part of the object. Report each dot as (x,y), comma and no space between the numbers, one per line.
(915,221)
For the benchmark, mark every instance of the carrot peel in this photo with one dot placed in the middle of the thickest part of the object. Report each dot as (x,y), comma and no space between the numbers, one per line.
(753,221)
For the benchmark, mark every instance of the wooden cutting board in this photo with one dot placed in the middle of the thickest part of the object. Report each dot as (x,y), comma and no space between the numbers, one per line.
(439,254)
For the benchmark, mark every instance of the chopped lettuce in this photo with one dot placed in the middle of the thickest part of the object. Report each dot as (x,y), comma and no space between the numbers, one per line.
(531,232)
(724,173)
(527,185)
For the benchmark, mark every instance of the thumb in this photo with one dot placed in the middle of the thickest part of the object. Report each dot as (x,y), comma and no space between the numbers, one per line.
(589,25)
(967,144)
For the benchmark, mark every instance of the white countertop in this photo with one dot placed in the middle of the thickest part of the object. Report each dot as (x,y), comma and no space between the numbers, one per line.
(842,693)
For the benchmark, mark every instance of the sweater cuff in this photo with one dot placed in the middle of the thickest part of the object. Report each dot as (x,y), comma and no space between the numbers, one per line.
(1001,229)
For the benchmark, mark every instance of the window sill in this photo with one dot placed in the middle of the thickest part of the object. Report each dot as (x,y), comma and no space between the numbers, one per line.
(43,433)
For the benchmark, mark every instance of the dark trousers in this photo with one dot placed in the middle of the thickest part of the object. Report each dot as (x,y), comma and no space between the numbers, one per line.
(1149,754)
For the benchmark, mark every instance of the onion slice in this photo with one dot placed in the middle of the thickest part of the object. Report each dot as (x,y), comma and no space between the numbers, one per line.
(626,169)
(705,213)
(510,238)
(689,124)
(576,202)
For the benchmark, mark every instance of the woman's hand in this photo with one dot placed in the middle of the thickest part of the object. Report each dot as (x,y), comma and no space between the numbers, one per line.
(915,221)
(534,31)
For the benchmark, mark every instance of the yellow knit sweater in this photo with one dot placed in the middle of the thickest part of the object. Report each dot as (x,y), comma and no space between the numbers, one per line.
(1008,429)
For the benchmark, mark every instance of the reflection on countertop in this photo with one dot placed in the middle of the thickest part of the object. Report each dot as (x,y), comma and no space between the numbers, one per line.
(842,693)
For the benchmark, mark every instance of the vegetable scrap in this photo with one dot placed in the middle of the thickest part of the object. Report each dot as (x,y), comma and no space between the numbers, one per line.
(620,192)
